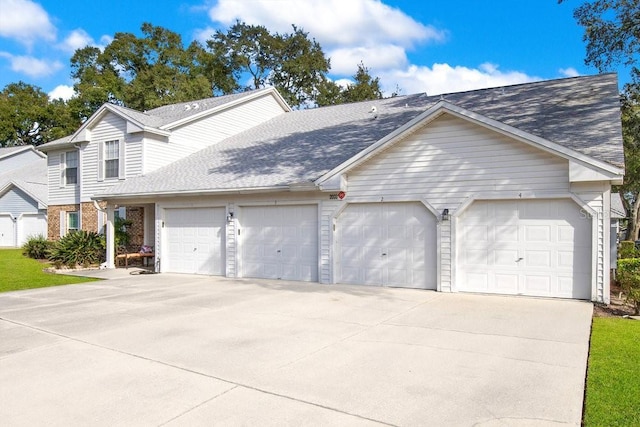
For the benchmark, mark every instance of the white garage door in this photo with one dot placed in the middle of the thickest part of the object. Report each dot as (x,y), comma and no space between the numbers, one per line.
(31,225)
(388,244)
(195,240)
(525,247)
(7,231)
(280,242)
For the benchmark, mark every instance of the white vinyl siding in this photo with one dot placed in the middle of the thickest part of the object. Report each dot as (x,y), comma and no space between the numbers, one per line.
(15,201)
(109,128)
(59,194)
(208,131)
(451,159)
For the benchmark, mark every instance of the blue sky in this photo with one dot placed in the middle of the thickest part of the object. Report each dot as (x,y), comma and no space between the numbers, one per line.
(417,46)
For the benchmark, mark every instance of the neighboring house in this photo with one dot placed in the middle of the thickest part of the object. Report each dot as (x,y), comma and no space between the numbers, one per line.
(504,190)
(117,143)
(23,195)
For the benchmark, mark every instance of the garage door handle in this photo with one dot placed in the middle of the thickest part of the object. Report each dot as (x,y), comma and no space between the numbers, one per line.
(384,254)
(519,259)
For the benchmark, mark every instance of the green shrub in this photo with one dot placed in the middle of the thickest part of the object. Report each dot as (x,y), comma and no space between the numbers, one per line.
(628,250)
(628,277)
(37,247)
(80,248)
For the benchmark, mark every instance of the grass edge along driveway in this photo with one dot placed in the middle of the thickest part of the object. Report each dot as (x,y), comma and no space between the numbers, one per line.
(613,374)
(18,272)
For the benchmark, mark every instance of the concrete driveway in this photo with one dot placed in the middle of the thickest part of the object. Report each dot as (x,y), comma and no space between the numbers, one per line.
(154,350)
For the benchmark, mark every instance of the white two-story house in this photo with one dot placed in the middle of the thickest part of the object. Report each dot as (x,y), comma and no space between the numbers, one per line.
(118,143)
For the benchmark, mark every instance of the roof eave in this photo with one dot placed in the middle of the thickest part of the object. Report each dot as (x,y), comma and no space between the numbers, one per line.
(173,193)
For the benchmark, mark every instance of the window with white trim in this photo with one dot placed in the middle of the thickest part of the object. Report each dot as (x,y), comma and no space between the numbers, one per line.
(73,223)
(71,168)
(112,159)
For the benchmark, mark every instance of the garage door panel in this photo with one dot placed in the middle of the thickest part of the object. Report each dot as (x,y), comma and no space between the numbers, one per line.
(395,245)
(279,242)
(506,283)
(7,231)
(545,251)
(538,259)
(195,240)
(503,257)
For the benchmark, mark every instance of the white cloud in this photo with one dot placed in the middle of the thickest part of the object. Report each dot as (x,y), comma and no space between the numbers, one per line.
(25,21)
(203,34)
(32,67)
(62,91)
(344,61)
(569,72)
(77,39)
(443,78)
(331,22)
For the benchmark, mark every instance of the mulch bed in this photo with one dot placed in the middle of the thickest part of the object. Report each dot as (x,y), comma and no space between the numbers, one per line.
(616,308)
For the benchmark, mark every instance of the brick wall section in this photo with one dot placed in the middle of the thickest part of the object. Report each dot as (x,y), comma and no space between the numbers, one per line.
(136,231)
(53,221)
(89,220)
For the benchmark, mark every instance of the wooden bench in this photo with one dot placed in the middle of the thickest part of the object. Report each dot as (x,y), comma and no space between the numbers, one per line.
(143,257)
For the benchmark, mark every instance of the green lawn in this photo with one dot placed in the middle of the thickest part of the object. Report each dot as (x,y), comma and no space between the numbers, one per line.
(19,272)
(613,377)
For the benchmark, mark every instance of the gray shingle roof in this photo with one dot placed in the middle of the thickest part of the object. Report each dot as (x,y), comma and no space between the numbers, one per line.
(581,113)
(31,178)
(8,151)
(163,116)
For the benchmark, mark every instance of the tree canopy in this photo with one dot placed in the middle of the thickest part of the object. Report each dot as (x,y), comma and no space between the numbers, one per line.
(157,69)
(612,34)
(29,117)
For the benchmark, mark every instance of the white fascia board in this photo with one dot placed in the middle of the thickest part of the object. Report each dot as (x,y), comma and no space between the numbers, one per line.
(227,105)
(173,193)
(136,127)
(578,172)
(446,107)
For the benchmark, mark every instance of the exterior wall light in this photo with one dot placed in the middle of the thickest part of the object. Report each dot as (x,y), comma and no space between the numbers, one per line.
(445,215)
(230,217)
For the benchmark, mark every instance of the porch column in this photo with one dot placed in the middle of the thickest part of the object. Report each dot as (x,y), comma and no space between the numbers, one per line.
(110,237)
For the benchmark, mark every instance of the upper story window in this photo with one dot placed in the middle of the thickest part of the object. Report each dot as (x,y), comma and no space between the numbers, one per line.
(70,168)
(111,159)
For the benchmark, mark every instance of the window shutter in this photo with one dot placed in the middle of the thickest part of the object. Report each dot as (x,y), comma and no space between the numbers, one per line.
(63,223)
(101,161)
(100,222)
(62,169)
(121,160)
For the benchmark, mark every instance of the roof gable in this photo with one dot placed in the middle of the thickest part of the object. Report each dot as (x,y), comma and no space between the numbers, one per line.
(444,107)
(162,119)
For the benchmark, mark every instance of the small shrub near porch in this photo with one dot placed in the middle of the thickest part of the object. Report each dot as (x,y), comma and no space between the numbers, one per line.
(628,277)
(81,248)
